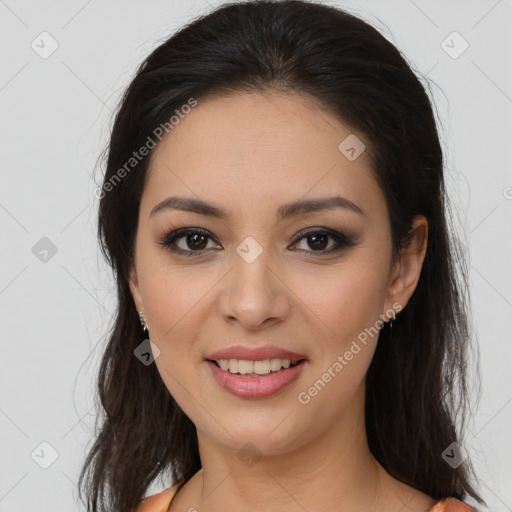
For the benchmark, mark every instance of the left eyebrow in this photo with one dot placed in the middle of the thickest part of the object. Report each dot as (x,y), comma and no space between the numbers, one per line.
(315,205)
(284,212)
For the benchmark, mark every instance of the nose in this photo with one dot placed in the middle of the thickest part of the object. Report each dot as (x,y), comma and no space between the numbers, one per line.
(254,295)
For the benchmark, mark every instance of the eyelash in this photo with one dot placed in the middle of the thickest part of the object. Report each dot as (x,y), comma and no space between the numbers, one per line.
(341,240)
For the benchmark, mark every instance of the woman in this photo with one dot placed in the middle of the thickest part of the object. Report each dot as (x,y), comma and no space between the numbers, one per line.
(274,212)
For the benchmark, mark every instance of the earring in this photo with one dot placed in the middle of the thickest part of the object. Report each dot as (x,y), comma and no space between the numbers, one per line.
(143,321)
(391,321)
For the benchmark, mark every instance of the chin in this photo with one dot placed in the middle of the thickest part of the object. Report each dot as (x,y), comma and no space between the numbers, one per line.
(272,438)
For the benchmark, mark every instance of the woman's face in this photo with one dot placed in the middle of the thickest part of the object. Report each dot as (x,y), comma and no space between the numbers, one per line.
(251,281)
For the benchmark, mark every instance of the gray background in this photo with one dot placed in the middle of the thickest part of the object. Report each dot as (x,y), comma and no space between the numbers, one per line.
(55,118)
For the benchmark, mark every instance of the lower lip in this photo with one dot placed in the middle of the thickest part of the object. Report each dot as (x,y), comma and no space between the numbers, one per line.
(256,387)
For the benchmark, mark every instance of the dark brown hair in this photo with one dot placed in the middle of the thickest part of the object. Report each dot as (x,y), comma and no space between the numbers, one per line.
(417,393)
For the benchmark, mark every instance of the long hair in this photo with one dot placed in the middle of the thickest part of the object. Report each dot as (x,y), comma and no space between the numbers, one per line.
(416,387)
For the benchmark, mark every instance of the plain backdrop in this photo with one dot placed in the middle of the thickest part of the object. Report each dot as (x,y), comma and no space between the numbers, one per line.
(63,68)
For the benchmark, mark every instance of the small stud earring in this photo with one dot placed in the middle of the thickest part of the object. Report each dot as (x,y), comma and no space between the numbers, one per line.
(391,321)
(143,321)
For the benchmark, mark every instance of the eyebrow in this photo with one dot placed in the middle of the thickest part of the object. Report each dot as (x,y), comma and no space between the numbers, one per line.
(284,212)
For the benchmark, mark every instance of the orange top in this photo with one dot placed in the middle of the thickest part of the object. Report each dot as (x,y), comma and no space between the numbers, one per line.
(160,503)
(451,505)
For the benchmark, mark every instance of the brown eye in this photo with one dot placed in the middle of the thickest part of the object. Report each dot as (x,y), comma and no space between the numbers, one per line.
(196,241)
(194,244)
(317,239)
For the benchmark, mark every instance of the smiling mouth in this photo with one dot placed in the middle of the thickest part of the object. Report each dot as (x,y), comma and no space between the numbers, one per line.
(248,368)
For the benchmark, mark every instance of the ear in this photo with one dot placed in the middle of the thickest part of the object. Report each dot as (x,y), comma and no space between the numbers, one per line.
(135,290)
(407,269)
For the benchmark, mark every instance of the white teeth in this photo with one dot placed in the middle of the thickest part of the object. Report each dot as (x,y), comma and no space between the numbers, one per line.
(275,364)
(264,367)
(245,367)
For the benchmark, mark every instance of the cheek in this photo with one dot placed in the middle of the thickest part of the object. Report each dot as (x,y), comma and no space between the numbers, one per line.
(350,306)
(173,294)
(349,299)
(176,304)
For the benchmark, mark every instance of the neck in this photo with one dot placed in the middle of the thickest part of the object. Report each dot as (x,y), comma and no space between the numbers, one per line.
(334,471)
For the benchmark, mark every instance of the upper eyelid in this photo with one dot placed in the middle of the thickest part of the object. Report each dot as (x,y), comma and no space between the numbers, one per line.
(179,233)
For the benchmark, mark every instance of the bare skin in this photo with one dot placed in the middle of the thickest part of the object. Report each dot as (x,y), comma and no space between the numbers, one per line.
(392,496)
(250,154)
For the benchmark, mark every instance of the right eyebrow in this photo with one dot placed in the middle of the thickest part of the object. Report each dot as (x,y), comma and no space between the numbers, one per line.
(189,204)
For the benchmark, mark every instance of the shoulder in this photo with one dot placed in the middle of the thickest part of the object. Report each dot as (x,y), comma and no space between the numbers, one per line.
(158,502)
(451,505)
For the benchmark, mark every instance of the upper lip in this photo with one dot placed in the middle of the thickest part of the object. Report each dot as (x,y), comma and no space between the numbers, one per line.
(255,353)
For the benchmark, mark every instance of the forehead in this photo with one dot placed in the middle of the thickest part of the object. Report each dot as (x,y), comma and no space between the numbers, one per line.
(260,148)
